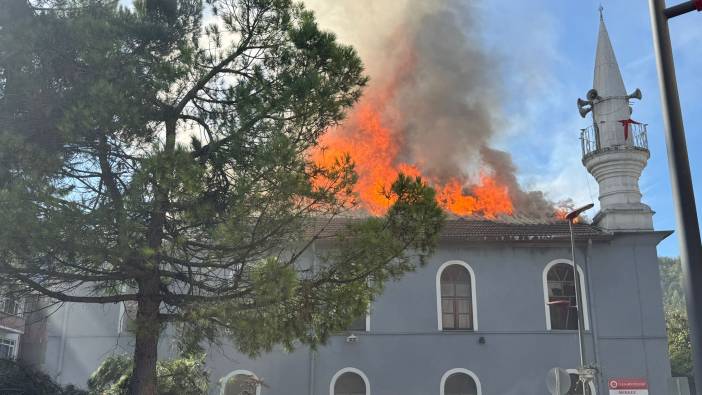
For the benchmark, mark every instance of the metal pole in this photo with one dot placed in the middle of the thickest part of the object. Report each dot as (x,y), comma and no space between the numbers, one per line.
(578,298)
(680,9)
(681,183)
(585,373)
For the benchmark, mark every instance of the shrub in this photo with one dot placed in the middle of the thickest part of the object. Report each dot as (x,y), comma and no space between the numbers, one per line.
(181,376)
(20,379)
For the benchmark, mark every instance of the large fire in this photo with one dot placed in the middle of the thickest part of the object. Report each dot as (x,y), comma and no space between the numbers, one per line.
(370,138)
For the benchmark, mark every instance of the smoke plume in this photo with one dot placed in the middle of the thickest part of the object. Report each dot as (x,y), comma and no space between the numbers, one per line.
(436,89)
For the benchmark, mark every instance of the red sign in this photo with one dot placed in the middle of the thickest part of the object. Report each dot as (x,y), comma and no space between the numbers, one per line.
(628,384)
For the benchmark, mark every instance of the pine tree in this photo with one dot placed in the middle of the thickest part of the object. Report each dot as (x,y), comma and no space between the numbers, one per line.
(158,155)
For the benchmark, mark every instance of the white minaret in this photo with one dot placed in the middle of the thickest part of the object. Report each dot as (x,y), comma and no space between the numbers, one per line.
(615,148)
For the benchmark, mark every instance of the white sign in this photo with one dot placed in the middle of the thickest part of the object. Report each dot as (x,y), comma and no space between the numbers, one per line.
(625,386)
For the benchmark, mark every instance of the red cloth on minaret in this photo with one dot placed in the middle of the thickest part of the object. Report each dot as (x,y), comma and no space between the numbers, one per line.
(626,123)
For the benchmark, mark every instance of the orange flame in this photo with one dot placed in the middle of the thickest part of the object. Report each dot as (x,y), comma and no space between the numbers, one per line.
(371,136)
(561,213)
(374,149)
(488,198)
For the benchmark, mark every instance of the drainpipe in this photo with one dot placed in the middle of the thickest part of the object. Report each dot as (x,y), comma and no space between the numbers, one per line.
(62,346)
(593,320)
(313,353)
(313,360)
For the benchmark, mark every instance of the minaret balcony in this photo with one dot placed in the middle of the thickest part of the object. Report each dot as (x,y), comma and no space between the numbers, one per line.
(635,138)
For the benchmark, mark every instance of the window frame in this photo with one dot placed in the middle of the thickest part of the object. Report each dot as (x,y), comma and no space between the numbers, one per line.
(453,371)
(127,319)
(11,307)
(367,319)
(583,292)
(349,369)
(238,372)
(366,323)
(11,344)
(473,293)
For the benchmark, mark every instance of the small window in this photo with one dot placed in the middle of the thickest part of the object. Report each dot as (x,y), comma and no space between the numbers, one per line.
(7,348)
(560,295)
(241,382)
(456,298)
(460,381)
(358,325)
(127,316)
(460,384)
(350,383)
(11,306)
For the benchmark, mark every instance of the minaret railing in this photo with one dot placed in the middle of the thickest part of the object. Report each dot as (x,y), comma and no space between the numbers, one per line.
(636,138)
(588,140)
(639,135)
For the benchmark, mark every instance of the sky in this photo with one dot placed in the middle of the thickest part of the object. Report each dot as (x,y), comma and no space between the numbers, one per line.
(547,50)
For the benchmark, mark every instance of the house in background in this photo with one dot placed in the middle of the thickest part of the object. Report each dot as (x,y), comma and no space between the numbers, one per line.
(492,311)
(12,325)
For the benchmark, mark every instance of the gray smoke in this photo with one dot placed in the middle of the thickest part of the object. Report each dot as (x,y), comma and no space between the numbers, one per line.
(446,87)
(451,98)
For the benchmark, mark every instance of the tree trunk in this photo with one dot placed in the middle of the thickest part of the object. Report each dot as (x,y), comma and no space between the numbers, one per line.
(146,348)
(147,322)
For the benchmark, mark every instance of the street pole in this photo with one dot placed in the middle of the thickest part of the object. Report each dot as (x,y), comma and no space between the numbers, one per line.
(680,176)
(585,372)
(578,297)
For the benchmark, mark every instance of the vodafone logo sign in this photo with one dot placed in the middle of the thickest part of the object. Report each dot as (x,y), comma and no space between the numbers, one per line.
(627,386)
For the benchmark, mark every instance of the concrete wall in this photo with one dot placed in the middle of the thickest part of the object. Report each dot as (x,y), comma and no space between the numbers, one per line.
(404,352)
(80,336)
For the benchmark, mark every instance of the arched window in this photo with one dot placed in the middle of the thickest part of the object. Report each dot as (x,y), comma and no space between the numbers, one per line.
(456,297)
(349,381)
(560,297)
(241,382)
(460,382)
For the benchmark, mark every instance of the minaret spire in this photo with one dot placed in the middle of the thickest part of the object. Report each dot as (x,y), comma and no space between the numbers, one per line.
(608,79)
(615,147)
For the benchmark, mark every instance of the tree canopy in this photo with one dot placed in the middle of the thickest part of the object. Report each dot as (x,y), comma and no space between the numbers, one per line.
(158,155)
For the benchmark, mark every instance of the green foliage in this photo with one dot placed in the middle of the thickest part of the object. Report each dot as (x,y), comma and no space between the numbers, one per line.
(679,346)
(285,308)
(672,284)
(16,378)
(181,376)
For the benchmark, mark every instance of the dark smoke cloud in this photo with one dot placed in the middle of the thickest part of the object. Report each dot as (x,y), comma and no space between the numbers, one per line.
(447,87)
(528,203)
(451,99)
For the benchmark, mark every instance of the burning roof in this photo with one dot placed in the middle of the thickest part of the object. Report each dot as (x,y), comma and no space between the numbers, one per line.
(432,108)
(476,229)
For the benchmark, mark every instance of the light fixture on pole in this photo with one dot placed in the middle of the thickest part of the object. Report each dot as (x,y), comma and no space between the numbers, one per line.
(585,373)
